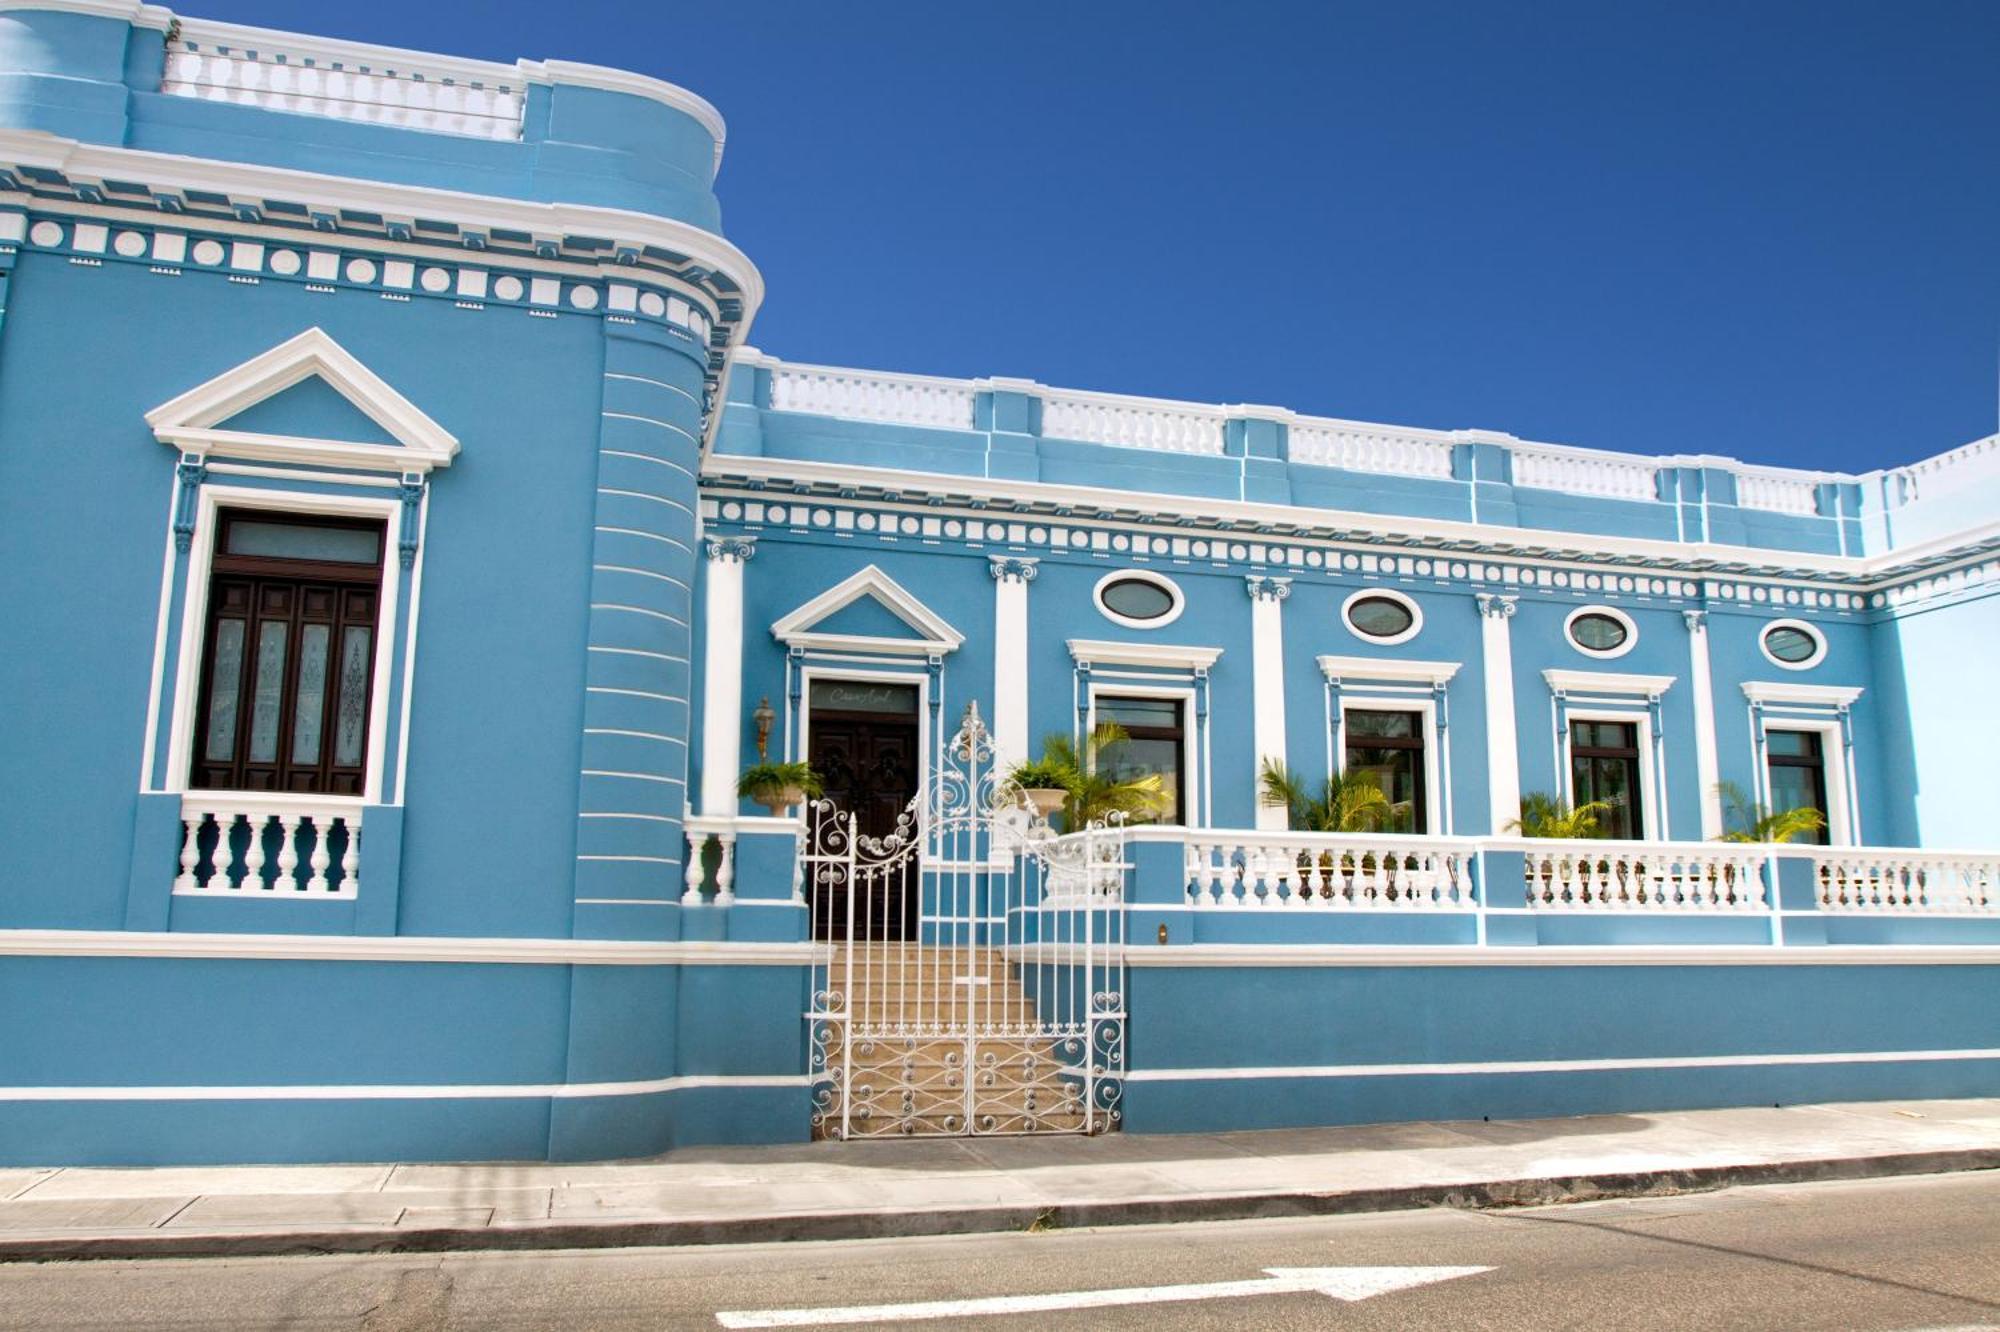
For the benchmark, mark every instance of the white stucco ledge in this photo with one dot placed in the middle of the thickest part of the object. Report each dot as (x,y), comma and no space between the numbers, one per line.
(365,948)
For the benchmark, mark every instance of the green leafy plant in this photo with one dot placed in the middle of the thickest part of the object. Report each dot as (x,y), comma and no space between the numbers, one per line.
(1545,815)
(769,783)
(1347,802)
(1093,793)
(1044,775)
(1754,822)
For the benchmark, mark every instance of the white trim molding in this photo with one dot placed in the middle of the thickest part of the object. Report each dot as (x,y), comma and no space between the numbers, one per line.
(1480,1068)
(189,422)
(400,948)
(1607,682)
(407,1091)
(1267,673)
(1432,673)
(1707,764)
(935,636)
(1783,692)
(1559,955)
(1167,656)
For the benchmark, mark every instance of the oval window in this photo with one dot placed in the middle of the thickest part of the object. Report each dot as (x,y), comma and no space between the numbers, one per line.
(1791,643)
(1379,617)
(1138,599)
(1597,632)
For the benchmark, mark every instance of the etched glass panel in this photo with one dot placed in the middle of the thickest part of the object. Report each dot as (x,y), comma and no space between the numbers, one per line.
(311,702)
(268,697)
(226,678)
(863,696)
(350,727)
(305,541)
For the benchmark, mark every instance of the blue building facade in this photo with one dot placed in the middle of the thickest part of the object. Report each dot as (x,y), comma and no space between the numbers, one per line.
(446,553)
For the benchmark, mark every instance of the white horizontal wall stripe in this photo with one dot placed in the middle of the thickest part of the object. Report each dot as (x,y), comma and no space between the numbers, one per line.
(634,693)
(1560,955)
(637,735)
(644,860)
(397,1092)
(645,457)
(649,420)
(639,610)
(620,814)
(1551,1065)
(650,536)
(642,495)
(640,652)
(656,383)
(643,573)
(635,776)
(396,948)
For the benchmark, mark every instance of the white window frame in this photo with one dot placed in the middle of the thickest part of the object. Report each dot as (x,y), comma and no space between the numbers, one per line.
(1651,828)
(194,619)
(1402,599)
(1161,581)
(1833,764)
(1435,802)
(1812,631)
(1611,613)
(1190,728)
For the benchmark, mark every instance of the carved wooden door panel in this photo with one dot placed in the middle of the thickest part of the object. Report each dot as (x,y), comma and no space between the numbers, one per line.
(869,769)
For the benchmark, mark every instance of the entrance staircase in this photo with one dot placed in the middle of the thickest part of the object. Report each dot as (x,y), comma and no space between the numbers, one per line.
(921,1016)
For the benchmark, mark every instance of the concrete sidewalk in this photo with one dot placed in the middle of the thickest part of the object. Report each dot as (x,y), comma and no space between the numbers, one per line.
(945,1186)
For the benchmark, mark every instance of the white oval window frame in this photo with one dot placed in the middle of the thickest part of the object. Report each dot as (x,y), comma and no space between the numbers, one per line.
(1809,630)
(1610,613)
(1160,581)
(1387,594)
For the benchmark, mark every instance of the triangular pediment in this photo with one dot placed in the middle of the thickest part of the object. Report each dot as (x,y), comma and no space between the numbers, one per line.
(868,611)
(308,400)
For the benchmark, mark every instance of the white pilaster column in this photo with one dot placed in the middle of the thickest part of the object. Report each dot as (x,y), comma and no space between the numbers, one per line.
(1267,676)
(1011,576)
(1503,753)
(722,674)
(1705,767)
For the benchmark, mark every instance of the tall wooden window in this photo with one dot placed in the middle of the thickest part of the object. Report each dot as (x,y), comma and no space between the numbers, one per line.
(1604,766)
(1390,747)
(1155,744)
(1797,762)
(288,654)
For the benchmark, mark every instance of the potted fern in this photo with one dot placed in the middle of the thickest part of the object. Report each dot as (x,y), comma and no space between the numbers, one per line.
(1756,822)
(1544,815)
(1046,784)
(779,787)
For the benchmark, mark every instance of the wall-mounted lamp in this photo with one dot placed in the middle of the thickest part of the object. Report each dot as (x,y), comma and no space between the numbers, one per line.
(762,719)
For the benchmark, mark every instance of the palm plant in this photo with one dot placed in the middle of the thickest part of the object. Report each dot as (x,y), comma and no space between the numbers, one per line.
(1544,815)
(1095,792)
(1755,822)
(1348,802)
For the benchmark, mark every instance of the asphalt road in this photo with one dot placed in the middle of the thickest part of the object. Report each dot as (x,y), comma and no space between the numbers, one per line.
(1907,1253)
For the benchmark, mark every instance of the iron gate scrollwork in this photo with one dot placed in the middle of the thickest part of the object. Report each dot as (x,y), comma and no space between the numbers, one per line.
(968,973)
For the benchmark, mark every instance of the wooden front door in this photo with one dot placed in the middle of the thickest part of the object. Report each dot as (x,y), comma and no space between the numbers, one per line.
(868,763)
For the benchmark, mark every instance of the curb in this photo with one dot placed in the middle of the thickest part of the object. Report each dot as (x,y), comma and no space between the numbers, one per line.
(1471,1196)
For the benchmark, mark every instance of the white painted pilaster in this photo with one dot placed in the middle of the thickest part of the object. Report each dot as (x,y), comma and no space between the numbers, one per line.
(722,674)
(1267,674)
(1707,771)
(1503,754)
(1011,576)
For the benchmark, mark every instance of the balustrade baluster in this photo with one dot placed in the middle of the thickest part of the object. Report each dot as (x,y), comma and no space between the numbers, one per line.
(725,870)
(253,852)
(350,860)
(288,853)
(190,851)
(322,852)
(697,848)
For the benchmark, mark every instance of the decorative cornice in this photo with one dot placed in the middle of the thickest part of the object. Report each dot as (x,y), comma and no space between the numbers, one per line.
(1088,652)
(1263,587)
(1804,695)
(1607,682)
(1433,673)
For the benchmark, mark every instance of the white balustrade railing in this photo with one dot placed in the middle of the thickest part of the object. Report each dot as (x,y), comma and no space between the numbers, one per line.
(1333,871)
(860,395)
(1892,882)
(1133,423)
(1644,876)
(298,79)
(1610,476)
(1365,448)
(1777,494)
(270,847)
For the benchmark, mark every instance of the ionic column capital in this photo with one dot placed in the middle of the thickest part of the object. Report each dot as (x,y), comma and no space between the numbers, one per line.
(736,549)
(1263,587)
(1697,621)
(1493,606)
(1013,568)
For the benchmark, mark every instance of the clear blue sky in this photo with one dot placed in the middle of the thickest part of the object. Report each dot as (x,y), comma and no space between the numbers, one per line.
(1754,228)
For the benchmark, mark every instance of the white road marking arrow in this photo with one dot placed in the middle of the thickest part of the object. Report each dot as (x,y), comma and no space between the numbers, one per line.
(1342,1283)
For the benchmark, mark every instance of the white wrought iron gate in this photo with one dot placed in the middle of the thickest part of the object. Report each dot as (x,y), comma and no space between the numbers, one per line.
(969,964)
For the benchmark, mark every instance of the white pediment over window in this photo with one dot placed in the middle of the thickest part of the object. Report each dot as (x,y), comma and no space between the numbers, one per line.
(868,612)
(306,400)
